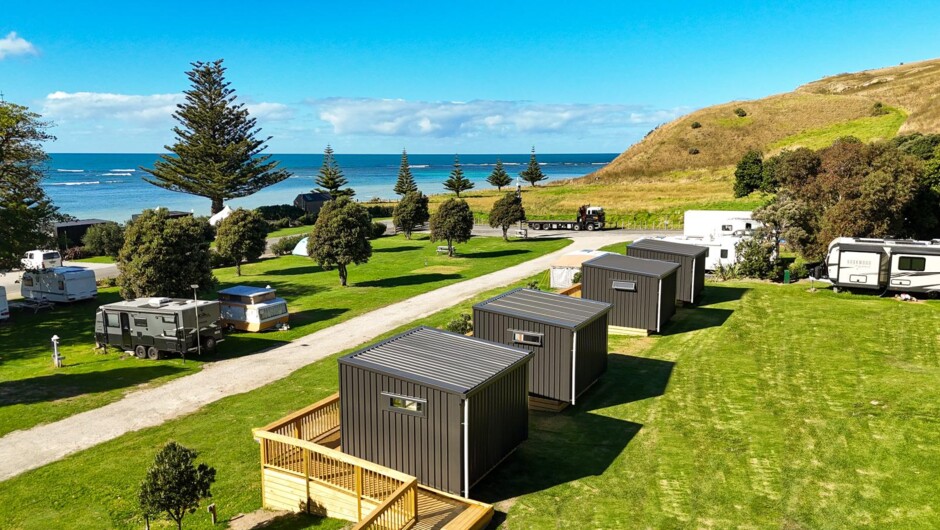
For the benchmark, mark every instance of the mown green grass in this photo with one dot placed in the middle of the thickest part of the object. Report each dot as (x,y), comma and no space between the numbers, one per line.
(33,392)
(766,406)
(865,129)
(96,259)
(290,231)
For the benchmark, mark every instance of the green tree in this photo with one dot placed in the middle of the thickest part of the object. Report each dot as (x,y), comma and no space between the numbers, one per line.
(533,172)
(410,212)
(242,236)
(756,258)
(105,239)
(507,211)
(406,181)
(748,175)
(163,256)
(217,154)
(330,178)
(175,485)
(453,222)
(456,182)
(340,236)
(26,212)
(499,177)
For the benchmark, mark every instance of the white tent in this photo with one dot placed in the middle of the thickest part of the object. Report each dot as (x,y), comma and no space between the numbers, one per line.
(562,271)
(217,218)
(301,248)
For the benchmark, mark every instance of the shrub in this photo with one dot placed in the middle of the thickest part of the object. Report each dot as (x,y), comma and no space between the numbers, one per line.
(279,223)
(286,245)
(73,253)
(534,285)
(696,125)
(105,239)
(755,258)
(381,210)
(726,272)
(106,282)
(280,211)
(174,485)
(740,112)
(576,278)
(798,270)
(411,212)
(378,230)
(878,109)
(693,151)
(308,219)
(242,236)
(461,324)
(217,261)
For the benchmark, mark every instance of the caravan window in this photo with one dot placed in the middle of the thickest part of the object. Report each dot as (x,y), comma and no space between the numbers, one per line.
(113,321)
(726,228)
(140,322)
(909,263)
(724,253)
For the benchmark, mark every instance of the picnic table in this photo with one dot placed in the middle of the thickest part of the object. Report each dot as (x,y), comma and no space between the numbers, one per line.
(35,305)
(444,249)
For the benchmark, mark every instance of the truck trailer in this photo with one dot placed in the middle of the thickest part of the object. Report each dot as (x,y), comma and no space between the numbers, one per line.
(588,218)
(59,284)
(153,327)
(902,265)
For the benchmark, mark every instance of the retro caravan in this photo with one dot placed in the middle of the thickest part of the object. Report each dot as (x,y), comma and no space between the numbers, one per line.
(249,308)
(153,327)
(885,264)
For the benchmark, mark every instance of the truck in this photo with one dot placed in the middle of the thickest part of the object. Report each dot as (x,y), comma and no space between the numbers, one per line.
(588,218)
(154,327)
(41,259)
(59,284)
(901,265)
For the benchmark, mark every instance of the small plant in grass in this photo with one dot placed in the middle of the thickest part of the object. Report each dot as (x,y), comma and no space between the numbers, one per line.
(878,109)
(378,230)
(534,285)
(696,125)
(739,112)
(462,324)
(693,151)
(726,272)
(576,278)
(175,484)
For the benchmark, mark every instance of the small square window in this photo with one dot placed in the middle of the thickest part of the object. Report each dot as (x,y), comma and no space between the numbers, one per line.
(623,286)
(724,253)
(405,404)
(525,337)
(726,228)
(140,322)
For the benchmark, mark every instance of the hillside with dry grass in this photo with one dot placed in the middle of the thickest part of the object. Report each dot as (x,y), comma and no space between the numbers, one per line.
(715,138)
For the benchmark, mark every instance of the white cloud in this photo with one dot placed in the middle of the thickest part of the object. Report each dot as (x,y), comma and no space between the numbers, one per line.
(270,111)
(15,45)
(398,117)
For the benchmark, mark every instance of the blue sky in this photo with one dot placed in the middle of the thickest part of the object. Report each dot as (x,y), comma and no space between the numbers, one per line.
(435,77)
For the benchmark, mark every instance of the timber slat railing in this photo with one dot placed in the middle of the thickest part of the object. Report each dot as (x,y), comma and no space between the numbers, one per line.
(399,511)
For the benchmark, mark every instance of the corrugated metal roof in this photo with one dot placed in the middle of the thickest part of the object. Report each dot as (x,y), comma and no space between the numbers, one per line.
(643,267)
(437,358)
(681,249)
(246,290)
(547,308)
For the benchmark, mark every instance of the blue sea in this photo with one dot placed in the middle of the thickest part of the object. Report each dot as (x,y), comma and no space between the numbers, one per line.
(111,186)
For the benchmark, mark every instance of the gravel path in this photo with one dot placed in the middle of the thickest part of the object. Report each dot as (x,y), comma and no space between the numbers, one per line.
(21,451)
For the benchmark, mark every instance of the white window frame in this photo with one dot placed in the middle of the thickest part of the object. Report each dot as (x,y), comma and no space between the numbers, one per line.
(404,404)
(627,286)
(529,338)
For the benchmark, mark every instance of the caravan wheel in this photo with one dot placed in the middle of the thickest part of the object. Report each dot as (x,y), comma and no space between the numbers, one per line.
(208,344)
(140,351)
(153,353)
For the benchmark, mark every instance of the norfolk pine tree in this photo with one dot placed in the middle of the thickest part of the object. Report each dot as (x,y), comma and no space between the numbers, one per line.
(499,177)
(406,182)
(533,172)
(216,154)
(330,178)
(457,182)
(453,222)
(411,211)
(174,484)
(507,210)
(242,236)
(340,236)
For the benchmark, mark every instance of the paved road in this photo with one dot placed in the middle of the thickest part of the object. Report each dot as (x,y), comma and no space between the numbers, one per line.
(21,451)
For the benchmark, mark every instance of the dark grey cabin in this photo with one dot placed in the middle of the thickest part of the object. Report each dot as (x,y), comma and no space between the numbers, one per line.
(568,337)
(691,259)
(311,202)
(642,292)
(72,232)
(443,407)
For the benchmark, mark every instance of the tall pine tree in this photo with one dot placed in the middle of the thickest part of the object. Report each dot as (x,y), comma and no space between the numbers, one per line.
(330,179)
(533,173)
(456,182)
(406,182)
(216,154)
(499,177)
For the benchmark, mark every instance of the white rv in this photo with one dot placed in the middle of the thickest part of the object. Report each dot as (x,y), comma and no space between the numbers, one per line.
(719,223)
(885,264)
(59,284)
(722,250)
(4,306)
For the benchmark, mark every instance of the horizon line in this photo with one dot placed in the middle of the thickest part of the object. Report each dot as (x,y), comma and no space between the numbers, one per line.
(337,153)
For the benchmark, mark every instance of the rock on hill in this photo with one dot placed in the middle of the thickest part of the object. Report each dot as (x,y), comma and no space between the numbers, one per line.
(813,115)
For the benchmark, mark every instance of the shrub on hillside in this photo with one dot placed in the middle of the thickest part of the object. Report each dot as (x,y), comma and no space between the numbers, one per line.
(280,211)
(740,112)
(878,109)
(460,324)
(286,245)
(696,125)
(693,151)
(378,230)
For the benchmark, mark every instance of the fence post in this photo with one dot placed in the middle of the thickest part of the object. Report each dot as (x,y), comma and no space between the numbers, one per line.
(359,491)
(307,479)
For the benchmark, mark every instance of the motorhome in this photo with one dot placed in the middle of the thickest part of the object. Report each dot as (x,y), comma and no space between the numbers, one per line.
(153,327)
(59,284)
(719,223)
(41,259)
(4,306)
(902,265)
(722,251)
(249,308)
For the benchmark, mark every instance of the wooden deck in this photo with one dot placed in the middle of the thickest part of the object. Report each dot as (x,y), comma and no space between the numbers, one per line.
(304,469)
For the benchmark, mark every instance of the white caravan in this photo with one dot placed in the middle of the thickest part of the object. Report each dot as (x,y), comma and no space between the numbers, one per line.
(722,250)
(60,284)
(4,306)
(885,264)
(718,223)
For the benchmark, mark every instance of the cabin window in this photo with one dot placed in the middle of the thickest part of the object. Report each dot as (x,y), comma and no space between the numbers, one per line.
(525,337)
(726,228)
(724,253)
(909,263)
(113,321)
(623,286)
(140,322)
(405,404)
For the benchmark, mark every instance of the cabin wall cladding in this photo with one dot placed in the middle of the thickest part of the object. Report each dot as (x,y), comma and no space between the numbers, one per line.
(591,357)
(690,279)
(506,398)
(427,447)
(637,309)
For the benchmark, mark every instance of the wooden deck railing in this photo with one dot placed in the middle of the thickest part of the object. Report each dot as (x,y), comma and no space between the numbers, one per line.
(309,423)
(399,511)
(574,290)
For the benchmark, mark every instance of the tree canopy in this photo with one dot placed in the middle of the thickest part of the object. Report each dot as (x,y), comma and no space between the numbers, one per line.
(105,239)
(217,153)
(499,177)
(748,175)
(410,212)
(456,182)
(163,256)
(175,485)
(340,236)
(453,222)
(26,212)
(507,211)
(406,181)
(242,236)
(533,172)
(330,178)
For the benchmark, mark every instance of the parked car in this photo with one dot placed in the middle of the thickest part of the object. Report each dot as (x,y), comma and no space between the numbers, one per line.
(41,259)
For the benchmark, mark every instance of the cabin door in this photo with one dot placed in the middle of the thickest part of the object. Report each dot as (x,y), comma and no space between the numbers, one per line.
(125,330)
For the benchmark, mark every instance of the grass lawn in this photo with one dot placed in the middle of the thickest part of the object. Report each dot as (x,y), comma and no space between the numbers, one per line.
(32,392)
(290,231)
(96,259)
(866,129)
(765,406)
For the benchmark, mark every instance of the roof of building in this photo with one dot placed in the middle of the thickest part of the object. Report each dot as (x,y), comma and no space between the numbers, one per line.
(440,359)
(547,308)
(315,196)
(80,222)
(643,267)
(670,247)
(246,290)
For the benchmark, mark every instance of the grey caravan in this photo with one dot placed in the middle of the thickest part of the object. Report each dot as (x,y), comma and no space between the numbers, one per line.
(885,265)
(153,327)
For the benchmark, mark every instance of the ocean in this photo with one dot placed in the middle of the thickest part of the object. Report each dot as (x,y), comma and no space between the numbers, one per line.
(111,186)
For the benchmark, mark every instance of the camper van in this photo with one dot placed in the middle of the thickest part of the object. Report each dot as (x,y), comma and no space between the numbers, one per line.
(4,306)
(719,223)
(59,284)
(153,327)
(248,308)
(885,264)
(41,259)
